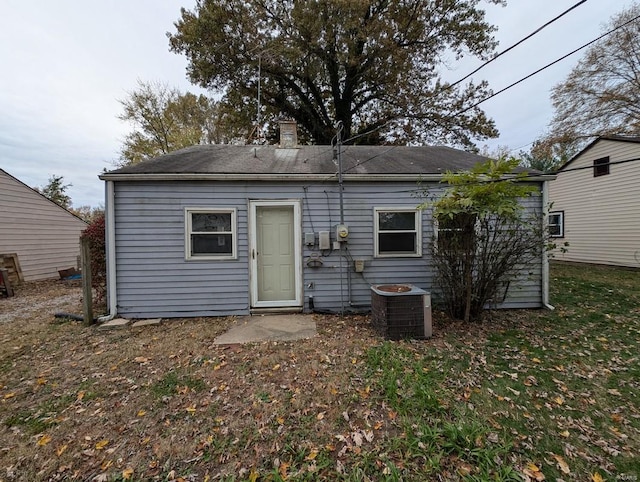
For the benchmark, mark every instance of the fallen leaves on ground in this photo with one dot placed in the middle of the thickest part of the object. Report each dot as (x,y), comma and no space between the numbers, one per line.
(165,402)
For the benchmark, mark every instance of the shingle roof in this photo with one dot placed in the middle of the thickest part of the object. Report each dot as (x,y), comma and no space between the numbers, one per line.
(247,160)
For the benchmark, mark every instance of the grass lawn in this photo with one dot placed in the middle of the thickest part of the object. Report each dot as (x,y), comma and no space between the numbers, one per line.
(525,395)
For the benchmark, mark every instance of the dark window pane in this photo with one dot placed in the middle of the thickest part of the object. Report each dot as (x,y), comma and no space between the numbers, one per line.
(210,222)
(601,167)
(211,244)
(397,242)
(555,224)
(456,233)
(393,221)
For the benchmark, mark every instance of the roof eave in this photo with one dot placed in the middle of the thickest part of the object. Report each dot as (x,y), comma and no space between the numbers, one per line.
(288,177)
(266,177)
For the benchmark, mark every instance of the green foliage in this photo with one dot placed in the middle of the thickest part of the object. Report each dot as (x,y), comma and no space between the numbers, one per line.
(166,120)
(95,234)
(371,65)
(489,188)
(55,190)
(485,236)
(548,154)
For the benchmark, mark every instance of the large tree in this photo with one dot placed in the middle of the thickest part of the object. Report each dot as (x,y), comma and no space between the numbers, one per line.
(601,95)
(373,65)
(165,120)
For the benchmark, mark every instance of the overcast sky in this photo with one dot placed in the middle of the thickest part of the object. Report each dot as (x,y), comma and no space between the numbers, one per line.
(65,63)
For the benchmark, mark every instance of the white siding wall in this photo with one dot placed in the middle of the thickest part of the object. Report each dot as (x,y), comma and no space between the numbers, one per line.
(45,236)
(601,214)
(154,279)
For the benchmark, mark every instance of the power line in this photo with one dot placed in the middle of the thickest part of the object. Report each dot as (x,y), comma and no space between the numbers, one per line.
(362,134)
(391,148)
(545,67)
(522,79)
(450,86)
(539,29)
(613,163)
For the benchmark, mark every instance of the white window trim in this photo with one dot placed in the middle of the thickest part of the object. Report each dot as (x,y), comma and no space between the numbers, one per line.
(418,230)
(561,215)
(187,234)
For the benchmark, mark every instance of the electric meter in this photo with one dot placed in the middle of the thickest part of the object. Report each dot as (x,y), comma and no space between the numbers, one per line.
(342,232)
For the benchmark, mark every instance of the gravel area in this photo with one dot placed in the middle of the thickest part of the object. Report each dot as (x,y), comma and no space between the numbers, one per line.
(41,297)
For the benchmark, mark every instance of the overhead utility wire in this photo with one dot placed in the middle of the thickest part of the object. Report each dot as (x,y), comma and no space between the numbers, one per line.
(450,86)
(522,79)
(516,44)
(546,66)
(582,168)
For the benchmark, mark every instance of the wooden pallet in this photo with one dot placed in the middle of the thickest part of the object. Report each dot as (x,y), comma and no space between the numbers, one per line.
(5,284)
(11,263)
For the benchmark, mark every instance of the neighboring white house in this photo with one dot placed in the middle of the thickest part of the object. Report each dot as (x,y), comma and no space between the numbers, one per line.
(596,203)
(45,236)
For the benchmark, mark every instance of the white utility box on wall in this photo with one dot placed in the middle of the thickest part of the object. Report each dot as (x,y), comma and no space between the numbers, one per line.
(324,240)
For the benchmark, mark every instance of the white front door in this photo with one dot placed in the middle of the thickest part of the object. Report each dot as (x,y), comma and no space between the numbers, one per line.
(275,254)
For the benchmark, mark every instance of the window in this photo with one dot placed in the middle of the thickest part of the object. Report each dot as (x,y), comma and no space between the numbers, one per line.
(556,224)
(601,167)
(397,232)
(210,233)
(456,234)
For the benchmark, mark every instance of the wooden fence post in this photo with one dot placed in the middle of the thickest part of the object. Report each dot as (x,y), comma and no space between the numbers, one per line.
(87,294)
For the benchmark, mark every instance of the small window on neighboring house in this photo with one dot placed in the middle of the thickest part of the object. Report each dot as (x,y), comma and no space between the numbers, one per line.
(556,224)
(210,233)
(397,232)
(601,167)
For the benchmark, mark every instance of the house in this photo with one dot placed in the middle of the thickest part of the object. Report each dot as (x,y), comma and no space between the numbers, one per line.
(45,236)
(596,203)
(223,230)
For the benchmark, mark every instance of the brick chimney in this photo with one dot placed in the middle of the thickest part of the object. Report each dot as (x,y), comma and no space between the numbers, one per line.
(288,134)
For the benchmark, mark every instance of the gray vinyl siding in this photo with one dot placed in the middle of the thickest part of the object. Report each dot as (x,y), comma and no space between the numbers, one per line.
(153,278)
(525,290)
(359,202)
(601,214)
(45,236)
